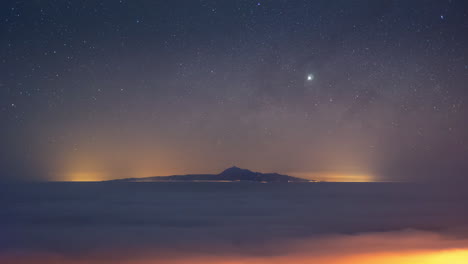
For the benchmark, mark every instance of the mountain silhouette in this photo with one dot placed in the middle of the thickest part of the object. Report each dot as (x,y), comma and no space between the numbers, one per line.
(233,174)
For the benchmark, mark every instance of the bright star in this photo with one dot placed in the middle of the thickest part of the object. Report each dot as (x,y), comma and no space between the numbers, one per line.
(310,77)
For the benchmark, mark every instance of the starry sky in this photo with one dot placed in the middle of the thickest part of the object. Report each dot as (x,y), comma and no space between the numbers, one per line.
(331,90)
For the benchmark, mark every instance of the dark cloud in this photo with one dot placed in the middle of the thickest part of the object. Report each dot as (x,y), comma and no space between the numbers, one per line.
(79,218)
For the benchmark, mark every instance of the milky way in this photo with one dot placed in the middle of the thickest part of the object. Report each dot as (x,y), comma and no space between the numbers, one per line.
(107,89)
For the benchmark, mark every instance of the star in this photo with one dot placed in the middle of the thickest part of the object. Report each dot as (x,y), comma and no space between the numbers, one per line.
(310,77)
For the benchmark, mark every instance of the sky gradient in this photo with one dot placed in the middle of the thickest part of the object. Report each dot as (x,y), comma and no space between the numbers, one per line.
(347,90)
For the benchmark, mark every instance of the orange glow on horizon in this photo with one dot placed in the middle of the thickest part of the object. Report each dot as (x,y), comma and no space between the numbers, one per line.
(407,247)
(92,176)
(337,176)
(85,177)
(454,256)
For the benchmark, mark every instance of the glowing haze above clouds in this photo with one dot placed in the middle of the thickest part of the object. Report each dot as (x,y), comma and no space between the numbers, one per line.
(175,223)
(386,248)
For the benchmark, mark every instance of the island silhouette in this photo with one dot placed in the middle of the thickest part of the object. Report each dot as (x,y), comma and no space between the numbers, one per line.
(233,174)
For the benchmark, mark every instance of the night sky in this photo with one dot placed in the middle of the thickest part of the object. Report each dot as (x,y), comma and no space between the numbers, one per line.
(331,90)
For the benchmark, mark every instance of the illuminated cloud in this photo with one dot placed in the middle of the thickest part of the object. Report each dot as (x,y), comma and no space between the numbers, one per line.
(385,248)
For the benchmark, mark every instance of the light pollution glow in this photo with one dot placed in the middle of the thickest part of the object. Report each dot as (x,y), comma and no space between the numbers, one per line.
(337,176)
(112,156)
(438,257)
(322,176)
(84,172)
(384,248)
(85,177)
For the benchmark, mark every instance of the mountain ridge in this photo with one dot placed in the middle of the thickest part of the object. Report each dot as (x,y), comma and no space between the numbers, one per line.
(232,174)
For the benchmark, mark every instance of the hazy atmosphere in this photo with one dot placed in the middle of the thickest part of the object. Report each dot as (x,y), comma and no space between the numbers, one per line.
(329,90)
(234,132)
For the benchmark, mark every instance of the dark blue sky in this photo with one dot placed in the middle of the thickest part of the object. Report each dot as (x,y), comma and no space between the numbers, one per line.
(104,89)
